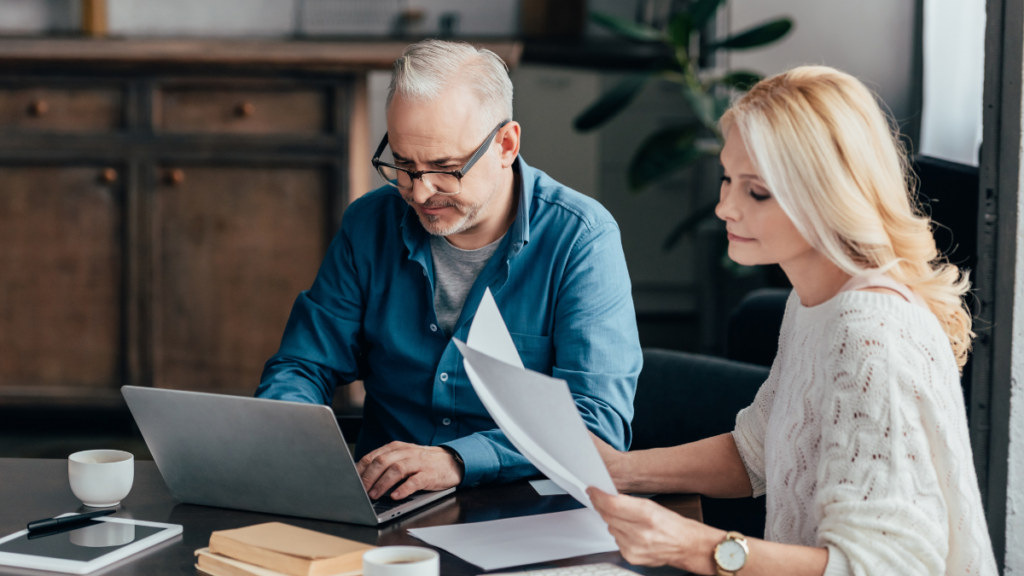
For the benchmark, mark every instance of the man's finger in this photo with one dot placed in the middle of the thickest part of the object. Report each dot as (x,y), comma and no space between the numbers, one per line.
(394,474)
(412,484)
(378,465)
(365,461)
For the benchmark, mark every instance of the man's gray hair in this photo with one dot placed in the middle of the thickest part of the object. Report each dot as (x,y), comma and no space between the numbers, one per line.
(427,67)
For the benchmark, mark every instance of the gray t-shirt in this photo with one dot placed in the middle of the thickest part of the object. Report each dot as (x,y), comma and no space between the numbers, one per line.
(455,271)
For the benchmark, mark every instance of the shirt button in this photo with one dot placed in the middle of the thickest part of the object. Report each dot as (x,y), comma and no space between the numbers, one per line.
(433,327)
(446,421)
(444,376)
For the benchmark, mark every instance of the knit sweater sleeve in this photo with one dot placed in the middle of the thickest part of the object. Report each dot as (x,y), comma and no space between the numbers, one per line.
(752,421)
(879,499)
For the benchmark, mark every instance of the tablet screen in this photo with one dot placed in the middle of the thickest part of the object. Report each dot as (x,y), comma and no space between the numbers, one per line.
(89,542)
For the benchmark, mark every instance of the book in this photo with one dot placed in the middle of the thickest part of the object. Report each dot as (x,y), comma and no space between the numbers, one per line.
(217,565)
(289,550)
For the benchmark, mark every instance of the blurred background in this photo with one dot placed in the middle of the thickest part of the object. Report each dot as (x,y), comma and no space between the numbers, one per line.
(171,172)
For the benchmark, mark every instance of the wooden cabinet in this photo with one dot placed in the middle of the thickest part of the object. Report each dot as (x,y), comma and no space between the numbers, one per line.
(240,110)
(61,277)
(234,247)
(157,226)
(47,107)
(163,203)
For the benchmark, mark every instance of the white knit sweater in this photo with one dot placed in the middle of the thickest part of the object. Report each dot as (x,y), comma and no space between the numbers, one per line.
(859,439)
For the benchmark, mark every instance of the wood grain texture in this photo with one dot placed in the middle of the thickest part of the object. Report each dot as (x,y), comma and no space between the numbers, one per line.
(36,488)
(201,110)
(60,277)
(60,109)
(234,247)
(316,55)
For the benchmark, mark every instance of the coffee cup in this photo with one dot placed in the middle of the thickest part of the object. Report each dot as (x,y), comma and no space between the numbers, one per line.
(101,478)
(401,561)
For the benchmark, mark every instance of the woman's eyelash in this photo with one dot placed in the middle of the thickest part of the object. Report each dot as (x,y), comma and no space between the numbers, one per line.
(726,179)
(759,197)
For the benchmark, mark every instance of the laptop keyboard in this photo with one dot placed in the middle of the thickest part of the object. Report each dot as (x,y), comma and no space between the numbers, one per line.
(386,503)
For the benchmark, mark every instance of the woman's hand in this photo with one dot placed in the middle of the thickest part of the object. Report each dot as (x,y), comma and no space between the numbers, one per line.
(652,535)
(614,460)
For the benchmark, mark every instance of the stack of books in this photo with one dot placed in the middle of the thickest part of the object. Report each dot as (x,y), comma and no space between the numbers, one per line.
(276,549)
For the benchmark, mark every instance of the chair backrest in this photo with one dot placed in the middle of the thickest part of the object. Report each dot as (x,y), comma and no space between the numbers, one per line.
(684,397)
(754,326)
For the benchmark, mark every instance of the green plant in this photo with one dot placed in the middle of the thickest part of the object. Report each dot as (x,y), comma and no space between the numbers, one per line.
(674,148)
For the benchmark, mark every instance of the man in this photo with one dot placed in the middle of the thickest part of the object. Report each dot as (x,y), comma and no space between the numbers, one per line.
(462,212)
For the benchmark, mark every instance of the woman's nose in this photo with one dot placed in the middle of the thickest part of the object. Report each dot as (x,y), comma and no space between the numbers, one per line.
(726,208)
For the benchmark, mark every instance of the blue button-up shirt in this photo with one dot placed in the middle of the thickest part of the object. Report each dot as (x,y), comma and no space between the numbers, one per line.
(560,281)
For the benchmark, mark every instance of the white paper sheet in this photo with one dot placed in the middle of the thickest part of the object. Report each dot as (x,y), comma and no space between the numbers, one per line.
(536,412)
(527,540)
(547,488)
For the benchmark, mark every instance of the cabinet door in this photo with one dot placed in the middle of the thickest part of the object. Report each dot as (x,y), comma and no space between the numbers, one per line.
(61,248)
(234,246)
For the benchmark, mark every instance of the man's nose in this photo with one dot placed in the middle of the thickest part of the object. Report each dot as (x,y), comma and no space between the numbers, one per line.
(421,192)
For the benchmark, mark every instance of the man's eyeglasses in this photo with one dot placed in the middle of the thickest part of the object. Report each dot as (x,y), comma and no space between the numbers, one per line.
(439,182)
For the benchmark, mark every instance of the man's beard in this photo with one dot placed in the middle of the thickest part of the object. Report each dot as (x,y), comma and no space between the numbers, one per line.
(470,215)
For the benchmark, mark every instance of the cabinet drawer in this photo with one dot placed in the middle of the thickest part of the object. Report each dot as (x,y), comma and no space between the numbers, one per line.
(241,111)
(60,109)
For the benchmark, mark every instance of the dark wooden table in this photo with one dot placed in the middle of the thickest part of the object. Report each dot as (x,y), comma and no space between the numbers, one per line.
(31,489)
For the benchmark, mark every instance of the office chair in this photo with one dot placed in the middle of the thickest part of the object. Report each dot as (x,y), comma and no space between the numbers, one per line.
(684,397)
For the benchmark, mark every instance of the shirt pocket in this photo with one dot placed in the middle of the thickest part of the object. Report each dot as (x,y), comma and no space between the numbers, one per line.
(536,352)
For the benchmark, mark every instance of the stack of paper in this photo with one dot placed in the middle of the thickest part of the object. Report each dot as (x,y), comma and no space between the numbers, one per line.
(538,415)
(536,412)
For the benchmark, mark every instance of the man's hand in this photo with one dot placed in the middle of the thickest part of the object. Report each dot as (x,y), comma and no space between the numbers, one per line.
(422,468)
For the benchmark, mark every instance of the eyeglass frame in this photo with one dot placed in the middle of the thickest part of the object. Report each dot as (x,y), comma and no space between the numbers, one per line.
(418,174)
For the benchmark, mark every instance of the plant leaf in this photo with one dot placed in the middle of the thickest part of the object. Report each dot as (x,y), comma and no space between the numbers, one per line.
(702,104)
(626,28)
(664,152)
(701,12)
(756,36)
(679,30)
(688,225)
(611,102)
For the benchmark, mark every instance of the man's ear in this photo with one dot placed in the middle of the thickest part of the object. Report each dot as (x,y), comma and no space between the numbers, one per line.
(508,139)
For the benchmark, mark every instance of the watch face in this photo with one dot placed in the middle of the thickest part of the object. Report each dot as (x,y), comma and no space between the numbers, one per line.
(730,555)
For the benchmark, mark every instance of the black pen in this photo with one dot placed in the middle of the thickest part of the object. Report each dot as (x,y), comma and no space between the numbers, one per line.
(51,523)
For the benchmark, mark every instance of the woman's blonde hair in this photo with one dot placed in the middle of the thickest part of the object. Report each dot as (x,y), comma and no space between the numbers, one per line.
(834,162)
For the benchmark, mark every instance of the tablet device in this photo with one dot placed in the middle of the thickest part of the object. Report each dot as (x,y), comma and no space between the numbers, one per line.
(86,547)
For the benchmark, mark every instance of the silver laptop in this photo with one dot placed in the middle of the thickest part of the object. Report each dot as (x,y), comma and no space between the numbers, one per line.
(260,455)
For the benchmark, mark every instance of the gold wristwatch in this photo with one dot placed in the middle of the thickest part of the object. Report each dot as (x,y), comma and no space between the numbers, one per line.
(731,554)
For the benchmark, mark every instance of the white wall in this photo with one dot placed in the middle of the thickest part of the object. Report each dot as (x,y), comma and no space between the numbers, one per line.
(954,47)
(35,16)
(1014,557)
(870,39)
(260,17)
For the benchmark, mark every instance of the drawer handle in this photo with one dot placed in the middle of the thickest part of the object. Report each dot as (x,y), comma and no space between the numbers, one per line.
(244,109)
(38,108)
(174,177)
(108,176)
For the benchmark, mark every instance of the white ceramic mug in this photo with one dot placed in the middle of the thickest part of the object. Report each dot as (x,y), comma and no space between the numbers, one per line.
(101,478)
(401,561)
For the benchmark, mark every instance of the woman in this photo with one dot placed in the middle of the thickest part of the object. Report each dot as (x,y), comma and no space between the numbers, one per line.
(859,436)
